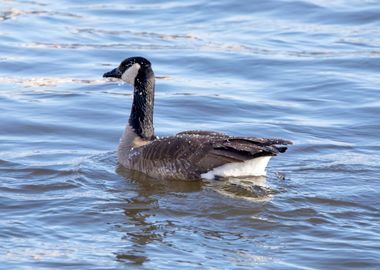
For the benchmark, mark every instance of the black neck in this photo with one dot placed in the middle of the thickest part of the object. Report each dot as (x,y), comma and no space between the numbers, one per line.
(141,118)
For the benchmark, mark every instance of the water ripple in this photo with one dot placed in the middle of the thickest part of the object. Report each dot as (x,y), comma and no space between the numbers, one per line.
(305,70)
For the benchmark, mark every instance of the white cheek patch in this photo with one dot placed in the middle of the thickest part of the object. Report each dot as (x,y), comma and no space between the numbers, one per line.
(130,74)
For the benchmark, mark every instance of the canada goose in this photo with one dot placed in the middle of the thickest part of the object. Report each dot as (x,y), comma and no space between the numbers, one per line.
(188,155)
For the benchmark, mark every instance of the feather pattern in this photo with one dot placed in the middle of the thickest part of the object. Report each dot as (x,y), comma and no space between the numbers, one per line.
(190,154)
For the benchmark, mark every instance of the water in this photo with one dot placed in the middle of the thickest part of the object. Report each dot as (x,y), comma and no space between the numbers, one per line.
(301,70)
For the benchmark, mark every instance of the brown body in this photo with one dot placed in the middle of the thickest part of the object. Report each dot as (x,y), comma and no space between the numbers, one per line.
(188,155)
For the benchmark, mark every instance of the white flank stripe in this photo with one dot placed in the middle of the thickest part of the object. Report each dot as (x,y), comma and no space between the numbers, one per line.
(252,167)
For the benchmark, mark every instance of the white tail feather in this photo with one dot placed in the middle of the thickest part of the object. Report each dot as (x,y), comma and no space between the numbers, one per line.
(252,167)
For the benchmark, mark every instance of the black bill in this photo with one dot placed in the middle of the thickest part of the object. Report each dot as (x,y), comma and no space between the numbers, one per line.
(115,73)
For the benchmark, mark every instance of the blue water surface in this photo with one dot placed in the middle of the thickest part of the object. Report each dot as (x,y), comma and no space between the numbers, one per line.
(304,70)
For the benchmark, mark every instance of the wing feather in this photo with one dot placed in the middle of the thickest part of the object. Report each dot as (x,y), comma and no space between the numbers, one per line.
(191,153)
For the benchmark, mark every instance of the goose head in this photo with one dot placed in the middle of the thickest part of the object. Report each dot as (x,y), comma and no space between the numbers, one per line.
(130,69)
(138,72)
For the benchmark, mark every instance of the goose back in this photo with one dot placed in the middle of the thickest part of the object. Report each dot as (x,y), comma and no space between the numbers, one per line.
(189,154)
